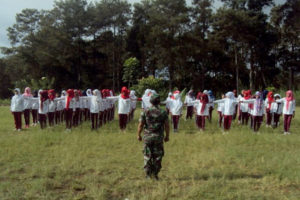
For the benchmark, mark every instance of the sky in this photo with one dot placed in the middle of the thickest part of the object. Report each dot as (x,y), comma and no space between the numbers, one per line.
(9,9)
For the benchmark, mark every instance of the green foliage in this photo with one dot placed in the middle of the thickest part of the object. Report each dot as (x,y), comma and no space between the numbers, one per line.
(157,84)
(130,71)
(42,83)
(108,164)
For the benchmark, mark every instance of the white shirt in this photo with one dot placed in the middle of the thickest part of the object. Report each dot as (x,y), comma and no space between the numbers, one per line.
(27,103)
(198,105)
(72,104)
(35,103)
(256,111)
(124,105)
(176,105)
(45,109)
(276,108)
(60,105)
(189,100)
(52,106)
(221,107)
(95,104)
(229,105)
(244,107)
(291,109)
(17,103)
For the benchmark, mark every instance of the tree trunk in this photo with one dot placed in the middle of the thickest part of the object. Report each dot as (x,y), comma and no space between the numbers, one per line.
(236,69)
(251,69)
(291,78)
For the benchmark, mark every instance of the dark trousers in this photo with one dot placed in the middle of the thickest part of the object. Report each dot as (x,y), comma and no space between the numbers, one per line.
(220,118)
(101,115)
(123,121)
(235,113)
(76,117)
(68,117)
(251,121)
(43,120)
(104,116)
(276,120)
(175,119)
(57,117)
(210,114)
(257,120)
(51,118)
(245,117)
(189,112)
(240,114)
(34,116)
(269,117)
(287,122)
(227,122)
(94,119)
(27,117)
(18,119)
(200,121)
(87,114)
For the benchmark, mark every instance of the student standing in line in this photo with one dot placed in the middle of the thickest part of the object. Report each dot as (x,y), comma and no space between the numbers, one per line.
(202,110)
(124,103)
(35,108)
(17,108)
(69,108)
(244,108)
(59,109)
(268,103)
(176,106)
(77,108)
(133,103)
(43,108)
(94,100)
(211,99)
(257,111)
(276,111)
(146,99)
(240,97)
(289,107)
(221,111)
(27,106)
(167,102)
(52,107)
(87,105)
(230,103)
(189,98)
(63,97)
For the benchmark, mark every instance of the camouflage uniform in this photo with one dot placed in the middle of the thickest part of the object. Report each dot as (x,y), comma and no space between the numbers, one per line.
(154,120)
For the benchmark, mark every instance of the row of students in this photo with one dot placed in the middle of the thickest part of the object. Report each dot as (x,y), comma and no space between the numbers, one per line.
(244,106)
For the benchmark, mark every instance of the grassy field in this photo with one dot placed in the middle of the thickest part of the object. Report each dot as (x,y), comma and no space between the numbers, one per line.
(108,164)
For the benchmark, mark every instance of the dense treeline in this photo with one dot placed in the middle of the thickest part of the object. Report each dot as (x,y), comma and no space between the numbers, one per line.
(85,45)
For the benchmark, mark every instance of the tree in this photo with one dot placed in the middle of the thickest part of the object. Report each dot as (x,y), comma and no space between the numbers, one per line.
(130,71)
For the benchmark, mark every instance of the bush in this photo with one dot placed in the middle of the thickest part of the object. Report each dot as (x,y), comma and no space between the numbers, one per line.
(157,84)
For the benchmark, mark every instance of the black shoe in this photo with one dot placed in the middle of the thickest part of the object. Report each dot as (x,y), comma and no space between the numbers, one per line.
(156,177)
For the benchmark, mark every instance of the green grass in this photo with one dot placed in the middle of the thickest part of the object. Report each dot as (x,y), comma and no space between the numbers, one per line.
(53,164)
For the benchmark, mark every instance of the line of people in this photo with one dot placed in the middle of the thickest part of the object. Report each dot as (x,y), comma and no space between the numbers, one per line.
(99,107)
(245,107)
(72,107)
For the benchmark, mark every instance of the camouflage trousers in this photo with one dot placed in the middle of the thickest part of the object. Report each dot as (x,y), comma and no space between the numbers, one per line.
(153,154)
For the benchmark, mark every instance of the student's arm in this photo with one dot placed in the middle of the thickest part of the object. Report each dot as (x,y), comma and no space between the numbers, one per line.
(294,108)
(113,98)
(140,129)
(12,103)
(219,101)
(248,101)
(280,100)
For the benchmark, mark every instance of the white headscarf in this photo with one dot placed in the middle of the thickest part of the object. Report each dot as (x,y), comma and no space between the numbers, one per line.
(18,91)
(63,93)
(89,92)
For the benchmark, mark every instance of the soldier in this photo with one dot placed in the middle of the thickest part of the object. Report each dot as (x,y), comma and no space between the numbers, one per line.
(154,121)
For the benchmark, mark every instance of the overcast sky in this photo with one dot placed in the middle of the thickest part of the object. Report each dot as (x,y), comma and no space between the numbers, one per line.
(9,9)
